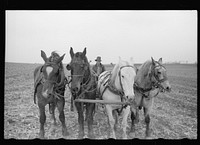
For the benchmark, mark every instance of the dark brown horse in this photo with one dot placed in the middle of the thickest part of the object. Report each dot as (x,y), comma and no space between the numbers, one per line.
(49,84)
(83,85)
(151,79)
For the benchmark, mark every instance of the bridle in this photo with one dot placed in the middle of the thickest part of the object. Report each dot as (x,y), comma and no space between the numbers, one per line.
(113,89)
(86,85)
(157,82)
(50,81)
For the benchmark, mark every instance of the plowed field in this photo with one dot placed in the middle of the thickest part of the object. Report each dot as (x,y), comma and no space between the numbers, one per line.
(174,115)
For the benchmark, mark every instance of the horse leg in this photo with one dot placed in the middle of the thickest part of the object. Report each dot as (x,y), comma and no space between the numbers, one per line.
(60,106)
(79,107)
(134,118)
(124,121)
(89,115)
(72,103)
(42,120)
(147,121)
(52,112)
(115,115)
(111,120)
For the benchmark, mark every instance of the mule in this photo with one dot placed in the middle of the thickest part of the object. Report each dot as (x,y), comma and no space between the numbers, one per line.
(49,80)
(151,79)
(117,86)
(83,85)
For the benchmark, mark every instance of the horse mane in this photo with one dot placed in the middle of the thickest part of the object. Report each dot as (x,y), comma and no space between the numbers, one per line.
(116,68)
(142,78)
(54,56)
(145,68)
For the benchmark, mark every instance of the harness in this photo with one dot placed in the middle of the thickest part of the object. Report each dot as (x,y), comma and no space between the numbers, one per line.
(57,90)
(113,89)
(156,83)
(86,86)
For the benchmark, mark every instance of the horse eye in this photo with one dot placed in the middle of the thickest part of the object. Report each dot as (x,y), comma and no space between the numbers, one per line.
(122,76)
(159,72)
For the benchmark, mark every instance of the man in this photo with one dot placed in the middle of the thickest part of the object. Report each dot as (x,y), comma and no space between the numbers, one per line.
(98,68)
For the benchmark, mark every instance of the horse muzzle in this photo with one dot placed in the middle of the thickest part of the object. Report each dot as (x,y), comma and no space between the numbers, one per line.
(130,100)
(168,89)
(46,93)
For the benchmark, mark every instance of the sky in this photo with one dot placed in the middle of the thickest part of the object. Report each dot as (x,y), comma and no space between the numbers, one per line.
(170,34)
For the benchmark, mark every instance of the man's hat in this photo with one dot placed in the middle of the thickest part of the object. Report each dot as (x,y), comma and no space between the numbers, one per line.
(98,58)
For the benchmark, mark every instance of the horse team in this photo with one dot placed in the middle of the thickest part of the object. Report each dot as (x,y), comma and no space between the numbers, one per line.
(135,87)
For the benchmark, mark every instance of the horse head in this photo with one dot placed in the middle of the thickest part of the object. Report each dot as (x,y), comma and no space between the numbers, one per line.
(51,71)
(159,75)
(79,67)
(123,77)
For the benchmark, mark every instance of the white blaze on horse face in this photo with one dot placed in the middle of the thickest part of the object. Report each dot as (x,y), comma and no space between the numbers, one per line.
(49,70)
(127,79)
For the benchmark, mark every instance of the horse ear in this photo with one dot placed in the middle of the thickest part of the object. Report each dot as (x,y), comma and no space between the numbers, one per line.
(60,59)
(84,51)
(153,61)
(71,52)
(43,55)
(160,60)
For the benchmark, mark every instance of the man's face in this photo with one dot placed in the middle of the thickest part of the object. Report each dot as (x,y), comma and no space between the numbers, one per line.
(98,62)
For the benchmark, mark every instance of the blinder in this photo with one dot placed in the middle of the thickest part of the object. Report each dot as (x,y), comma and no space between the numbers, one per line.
(158,81)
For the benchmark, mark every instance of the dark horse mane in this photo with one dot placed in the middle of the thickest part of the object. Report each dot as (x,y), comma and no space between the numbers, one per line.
(54,56)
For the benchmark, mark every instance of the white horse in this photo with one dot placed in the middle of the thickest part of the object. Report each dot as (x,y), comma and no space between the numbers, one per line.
(117,86)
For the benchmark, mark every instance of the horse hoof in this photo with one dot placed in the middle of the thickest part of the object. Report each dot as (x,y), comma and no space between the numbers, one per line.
(91,136)
(112,137)
(65,133)
(148,134)
(124,136)
(41,135)
(132,134)
(148,137)
(80,136)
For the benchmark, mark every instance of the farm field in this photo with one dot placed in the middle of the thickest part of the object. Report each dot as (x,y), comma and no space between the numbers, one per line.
(174,114)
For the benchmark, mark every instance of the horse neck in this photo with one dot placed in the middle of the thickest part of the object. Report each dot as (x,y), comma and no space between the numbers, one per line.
(114,80)
(143,79)
(87,75)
